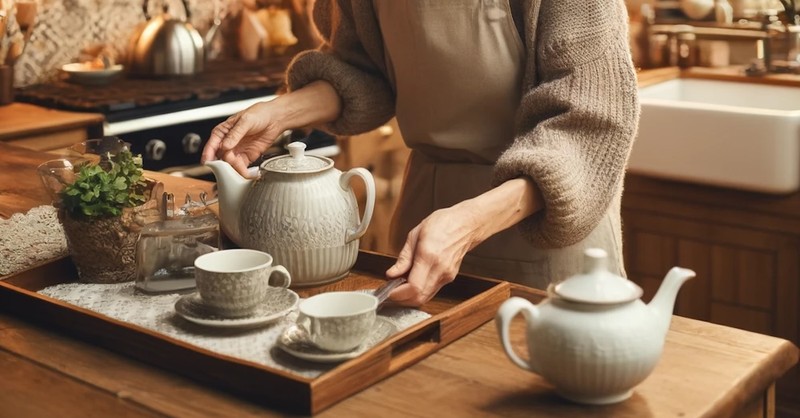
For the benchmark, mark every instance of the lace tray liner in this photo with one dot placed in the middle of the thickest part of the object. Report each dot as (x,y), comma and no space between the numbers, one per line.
(120,301)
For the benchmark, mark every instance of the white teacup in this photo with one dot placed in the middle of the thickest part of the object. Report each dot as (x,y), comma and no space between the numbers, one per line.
(338,321)
(234,282)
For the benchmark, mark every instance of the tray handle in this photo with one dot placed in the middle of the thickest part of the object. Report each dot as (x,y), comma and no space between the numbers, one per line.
(414,346)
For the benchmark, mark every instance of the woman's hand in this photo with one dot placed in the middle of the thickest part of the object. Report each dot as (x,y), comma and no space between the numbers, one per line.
(432,254)
(243,137)
(436,247)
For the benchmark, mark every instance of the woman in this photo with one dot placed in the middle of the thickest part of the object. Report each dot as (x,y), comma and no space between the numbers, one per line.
(518,112)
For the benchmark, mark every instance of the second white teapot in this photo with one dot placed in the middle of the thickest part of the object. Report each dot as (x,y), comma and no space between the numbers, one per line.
(593,338)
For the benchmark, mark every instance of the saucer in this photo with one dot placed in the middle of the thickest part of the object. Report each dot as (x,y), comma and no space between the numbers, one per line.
(279,302)
(293,342)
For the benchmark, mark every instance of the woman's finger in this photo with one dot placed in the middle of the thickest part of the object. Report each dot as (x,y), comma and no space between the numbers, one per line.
(406,257)
(214,140)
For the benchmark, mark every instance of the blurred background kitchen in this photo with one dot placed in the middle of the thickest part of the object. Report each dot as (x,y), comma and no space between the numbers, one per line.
(741,234)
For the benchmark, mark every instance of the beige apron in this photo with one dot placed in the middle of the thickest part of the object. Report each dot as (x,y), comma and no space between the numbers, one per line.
(456,67)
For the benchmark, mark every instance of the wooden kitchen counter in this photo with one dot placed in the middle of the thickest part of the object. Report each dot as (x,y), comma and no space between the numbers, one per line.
(706,370)
(39,128)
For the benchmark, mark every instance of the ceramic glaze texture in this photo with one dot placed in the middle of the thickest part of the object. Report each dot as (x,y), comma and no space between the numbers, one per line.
(303,223)
(338,321)
(341,334)
(577,353)
(301,210)
(232,283)
(593,339)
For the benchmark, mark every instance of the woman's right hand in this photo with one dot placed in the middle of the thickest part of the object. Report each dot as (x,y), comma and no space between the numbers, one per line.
(245,136)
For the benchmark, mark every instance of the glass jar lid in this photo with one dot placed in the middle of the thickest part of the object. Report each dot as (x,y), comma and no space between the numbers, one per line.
(297,161)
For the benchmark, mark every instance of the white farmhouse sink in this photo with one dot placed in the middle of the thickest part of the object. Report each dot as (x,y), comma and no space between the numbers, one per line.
(731,134)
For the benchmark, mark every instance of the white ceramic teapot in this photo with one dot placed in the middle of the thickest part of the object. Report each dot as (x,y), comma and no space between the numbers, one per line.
(593,338)
(301,210)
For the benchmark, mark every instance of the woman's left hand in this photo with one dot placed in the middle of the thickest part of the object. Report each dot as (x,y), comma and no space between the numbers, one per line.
(432,254)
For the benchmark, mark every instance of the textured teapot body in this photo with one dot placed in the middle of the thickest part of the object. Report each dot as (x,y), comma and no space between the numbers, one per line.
(301,210)
(593,338)
(304,221)
(593,354)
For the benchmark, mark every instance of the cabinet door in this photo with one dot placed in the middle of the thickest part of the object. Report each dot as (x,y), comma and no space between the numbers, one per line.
(746,278)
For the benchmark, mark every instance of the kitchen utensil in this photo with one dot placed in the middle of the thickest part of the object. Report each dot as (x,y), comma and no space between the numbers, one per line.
(337,321)
(295,341)
(592,338)
(697,9)
(301,210)
(278,304)
(78,73)
(167,249)
(167,46)
(234,282)
(383,291)
(59,173)
(25,13)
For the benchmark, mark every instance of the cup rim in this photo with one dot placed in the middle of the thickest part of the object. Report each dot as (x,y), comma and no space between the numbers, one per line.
(202,262)
(373,306)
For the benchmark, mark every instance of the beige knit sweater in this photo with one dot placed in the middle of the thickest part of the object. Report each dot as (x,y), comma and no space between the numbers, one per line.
(577,118)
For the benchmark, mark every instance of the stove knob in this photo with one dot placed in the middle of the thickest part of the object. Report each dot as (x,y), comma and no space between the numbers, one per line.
(155,149)
(191,143)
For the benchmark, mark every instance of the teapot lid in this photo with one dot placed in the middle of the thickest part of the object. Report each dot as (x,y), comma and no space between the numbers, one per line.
(297,161)
(597,285)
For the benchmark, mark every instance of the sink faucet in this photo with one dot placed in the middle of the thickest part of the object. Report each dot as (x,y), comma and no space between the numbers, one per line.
(777,43)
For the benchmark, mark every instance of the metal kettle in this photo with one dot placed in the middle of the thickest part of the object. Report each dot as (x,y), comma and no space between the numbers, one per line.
(164,46)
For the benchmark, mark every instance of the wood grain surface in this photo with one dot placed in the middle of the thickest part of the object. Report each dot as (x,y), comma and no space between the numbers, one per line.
(21,189)
(706,370)
(18,120)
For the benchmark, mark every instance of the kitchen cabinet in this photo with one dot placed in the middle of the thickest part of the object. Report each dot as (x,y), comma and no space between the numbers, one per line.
(41,129)
(744,247)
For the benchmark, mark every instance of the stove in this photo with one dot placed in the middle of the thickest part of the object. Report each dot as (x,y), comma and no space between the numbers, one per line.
(167,121)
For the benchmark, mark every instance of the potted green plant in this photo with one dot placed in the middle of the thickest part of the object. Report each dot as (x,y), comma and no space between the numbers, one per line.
(102,211)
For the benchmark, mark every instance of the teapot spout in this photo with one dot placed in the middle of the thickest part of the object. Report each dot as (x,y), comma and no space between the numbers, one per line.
(664,301)
(231,188)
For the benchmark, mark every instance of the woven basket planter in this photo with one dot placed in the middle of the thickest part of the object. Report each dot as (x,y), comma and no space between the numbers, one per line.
(104,249)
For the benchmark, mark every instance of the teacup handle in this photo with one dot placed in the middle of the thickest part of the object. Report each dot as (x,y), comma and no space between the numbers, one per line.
(508,310)
(285,279)
(369,181)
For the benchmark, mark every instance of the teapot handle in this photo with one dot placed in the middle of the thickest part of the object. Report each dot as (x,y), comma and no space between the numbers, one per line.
(344,183)
(508,310)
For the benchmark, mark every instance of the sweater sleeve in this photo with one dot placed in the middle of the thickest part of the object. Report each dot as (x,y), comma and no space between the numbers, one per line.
(343,61)
(577,119)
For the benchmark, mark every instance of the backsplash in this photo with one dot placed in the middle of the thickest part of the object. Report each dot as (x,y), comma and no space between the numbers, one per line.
(64,27)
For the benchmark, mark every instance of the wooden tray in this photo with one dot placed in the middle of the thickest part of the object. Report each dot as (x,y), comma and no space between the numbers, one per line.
(459,308)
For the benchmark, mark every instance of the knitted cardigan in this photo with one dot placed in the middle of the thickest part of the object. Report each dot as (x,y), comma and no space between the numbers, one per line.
(577,118)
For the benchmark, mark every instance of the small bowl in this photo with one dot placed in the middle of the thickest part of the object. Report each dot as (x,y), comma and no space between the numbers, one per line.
(80,73)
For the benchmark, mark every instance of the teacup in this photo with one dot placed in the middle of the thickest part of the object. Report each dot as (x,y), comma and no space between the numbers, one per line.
(234,282)
(338,321)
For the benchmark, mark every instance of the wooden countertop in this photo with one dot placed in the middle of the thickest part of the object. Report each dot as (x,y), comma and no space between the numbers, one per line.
(706,370)
(22,119)
(734,73)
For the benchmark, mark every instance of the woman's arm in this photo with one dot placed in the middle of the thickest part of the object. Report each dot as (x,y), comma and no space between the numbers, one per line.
(434,249)
(351,59)
(502,207)
(577,119)
(243,137)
